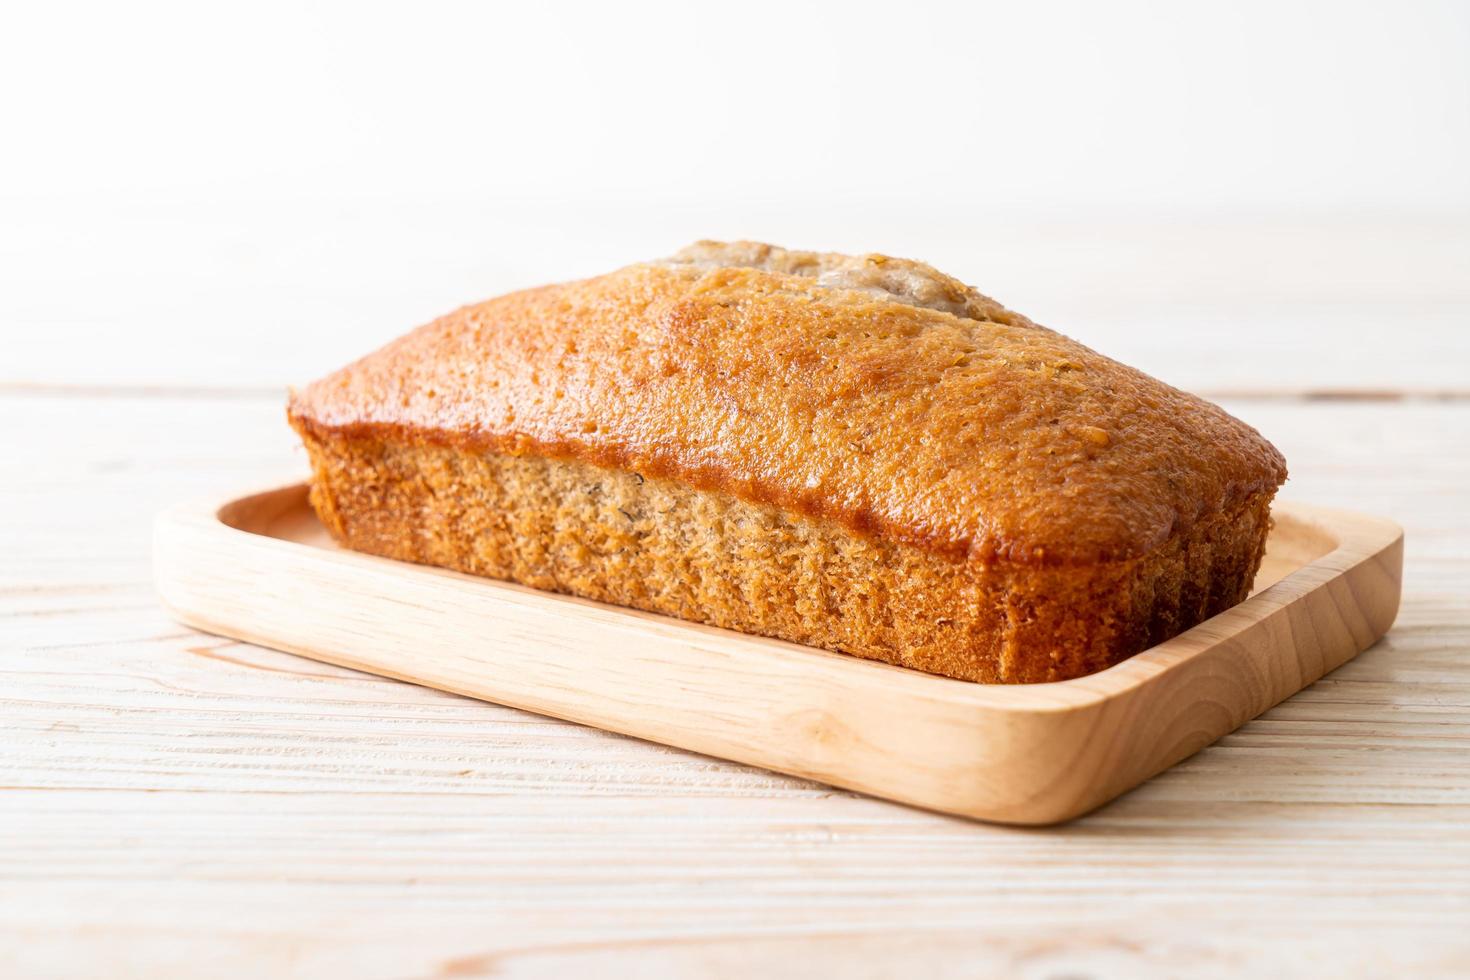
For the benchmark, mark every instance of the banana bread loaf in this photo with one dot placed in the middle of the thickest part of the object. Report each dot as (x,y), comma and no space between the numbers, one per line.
(853,452)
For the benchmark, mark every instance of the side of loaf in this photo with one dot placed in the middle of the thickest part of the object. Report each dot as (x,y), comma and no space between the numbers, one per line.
(856,453)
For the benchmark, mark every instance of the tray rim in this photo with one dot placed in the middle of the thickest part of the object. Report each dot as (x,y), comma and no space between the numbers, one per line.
(1356,539)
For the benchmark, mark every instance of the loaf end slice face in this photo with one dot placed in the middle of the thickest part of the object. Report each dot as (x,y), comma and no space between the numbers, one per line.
(853,452)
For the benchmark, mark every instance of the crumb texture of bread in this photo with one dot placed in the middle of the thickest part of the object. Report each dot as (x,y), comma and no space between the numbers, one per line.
(656,545)
(853,452)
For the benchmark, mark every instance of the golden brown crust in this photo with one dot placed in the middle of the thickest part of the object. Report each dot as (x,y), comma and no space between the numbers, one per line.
(997,440)
(858,453)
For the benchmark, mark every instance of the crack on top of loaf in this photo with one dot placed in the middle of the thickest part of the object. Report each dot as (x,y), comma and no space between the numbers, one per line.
(879,276)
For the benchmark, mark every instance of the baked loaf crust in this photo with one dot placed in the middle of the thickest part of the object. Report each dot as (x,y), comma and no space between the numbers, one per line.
(853,452)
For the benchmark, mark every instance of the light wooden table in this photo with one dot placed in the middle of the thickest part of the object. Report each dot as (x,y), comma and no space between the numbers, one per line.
(176,804)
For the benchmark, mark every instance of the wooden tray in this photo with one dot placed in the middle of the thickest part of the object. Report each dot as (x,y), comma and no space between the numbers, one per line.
(262,569)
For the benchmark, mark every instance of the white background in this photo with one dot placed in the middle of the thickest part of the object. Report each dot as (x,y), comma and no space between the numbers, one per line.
(248,195)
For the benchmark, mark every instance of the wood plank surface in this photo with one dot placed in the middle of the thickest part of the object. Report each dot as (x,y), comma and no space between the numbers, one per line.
(177,804)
